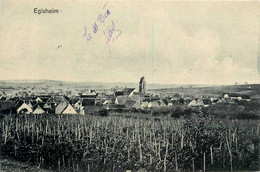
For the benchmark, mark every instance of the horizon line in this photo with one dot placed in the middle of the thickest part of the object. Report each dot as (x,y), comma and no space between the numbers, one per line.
(102,82)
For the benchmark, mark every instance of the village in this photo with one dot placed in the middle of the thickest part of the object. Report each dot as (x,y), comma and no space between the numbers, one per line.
(88,101)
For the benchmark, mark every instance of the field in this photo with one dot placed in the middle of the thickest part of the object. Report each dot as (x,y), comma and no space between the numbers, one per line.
(252,90)
(136,142)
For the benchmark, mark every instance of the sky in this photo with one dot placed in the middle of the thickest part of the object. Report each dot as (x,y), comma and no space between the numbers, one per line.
(167,42)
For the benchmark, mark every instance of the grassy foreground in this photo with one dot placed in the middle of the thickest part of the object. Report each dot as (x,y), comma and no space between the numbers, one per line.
(114,143)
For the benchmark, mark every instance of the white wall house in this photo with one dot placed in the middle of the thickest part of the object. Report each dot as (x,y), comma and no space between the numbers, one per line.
(226,96)
(25,107)
(69,110)
(153,104)
(38,110)
(132,93)
(38,100)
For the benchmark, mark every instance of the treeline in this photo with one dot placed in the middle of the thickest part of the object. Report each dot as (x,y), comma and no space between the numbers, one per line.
(235,111)
(243,110)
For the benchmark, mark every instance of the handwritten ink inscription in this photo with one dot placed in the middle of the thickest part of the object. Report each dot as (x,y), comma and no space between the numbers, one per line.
(111,33)
(101,17)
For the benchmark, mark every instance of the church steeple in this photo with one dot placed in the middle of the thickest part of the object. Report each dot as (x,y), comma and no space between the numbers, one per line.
(142,85)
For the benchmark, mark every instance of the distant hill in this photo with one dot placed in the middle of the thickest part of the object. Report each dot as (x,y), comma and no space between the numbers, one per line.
(253,90)
(86,84)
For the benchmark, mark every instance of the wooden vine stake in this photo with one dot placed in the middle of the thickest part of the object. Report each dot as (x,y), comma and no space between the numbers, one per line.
(140,148)
(230,153)
(211,155)
(204,162)
(164,163)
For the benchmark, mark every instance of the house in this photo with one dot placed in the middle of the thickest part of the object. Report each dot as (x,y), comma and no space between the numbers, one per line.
(200,102)
(187,101)
(77,104)
(38,109)
(81,110)
(2,98)
(206,102)
(239,98)
(101,96)
(141,94)
(38,100)
(193,103)
(110,95)
(129,104)
(49,108)
(222,100)
(89,105)
(71,93)
(55,99)
(73,100)
(114,106)
(64,108)
(153,104)
(31,104)
(230,101)
(119,93)
(169,103)
(176,97)
(144,104)
(245,98)
(231,96)
(138,95)
(42,98)
(69,110)
(136,98)
(214,101)
(137,105)
(225,95)
(89,95)
(105,102)
(21,107)
(163,102)
(88,102)
(129,91)
(122,99)
(13,98)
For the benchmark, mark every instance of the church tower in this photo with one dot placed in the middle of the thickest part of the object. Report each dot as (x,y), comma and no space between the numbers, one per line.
(142,85)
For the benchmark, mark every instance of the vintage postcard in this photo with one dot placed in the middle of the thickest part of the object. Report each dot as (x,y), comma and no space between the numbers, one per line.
(127,86)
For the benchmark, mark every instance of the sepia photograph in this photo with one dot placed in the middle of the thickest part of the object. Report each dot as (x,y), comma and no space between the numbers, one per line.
(129,86)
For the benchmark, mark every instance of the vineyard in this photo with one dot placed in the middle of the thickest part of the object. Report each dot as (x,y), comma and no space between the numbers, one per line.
(94,143)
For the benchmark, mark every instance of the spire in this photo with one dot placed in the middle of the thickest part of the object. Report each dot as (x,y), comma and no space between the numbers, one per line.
(142,85)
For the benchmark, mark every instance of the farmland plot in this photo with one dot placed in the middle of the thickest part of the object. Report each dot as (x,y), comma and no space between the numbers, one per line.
(91,143)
